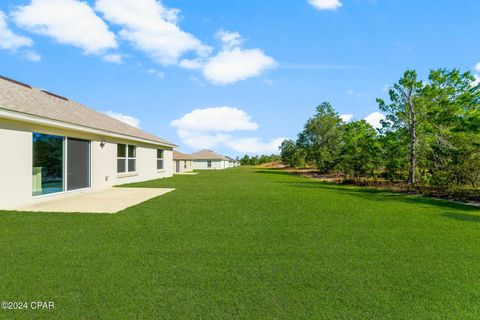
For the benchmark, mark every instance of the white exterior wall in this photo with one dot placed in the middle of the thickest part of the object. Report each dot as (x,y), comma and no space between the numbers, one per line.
(202,165)
(16,155)
(188,168)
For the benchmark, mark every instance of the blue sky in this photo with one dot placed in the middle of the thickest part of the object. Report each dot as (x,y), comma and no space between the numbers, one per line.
(235,76)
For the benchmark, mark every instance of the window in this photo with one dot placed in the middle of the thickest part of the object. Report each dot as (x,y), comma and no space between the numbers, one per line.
(209,164)
(159,159)
(185,164)
(126,158)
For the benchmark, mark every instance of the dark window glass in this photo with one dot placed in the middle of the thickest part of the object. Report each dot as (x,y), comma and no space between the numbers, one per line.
(78,164)
(209,164)
(131,152)
(132,165)
(121,151)
(121,165)
(159,164)
(47,170)
(185,165)
(159,154)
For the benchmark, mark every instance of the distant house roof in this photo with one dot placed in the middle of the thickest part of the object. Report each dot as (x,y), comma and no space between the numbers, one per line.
(182,156)
(230,159)
(22,98)
(207,155)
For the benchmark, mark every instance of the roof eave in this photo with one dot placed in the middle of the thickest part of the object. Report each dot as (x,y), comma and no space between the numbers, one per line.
(25,117)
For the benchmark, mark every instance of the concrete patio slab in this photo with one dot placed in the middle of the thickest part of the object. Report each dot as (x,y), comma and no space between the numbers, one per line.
(108,201)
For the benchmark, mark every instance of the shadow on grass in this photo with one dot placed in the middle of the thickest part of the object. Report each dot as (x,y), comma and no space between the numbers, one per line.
(462,217)
(372,194)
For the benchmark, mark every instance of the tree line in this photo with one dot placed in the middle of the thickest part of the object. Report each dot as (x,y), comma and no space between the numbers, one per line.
(258,160)
(430,135)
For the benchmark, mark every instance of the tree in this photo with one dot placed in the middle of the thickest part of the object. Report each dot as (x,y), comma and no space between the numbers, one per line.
(452,126)
(290,154)
(403,111)
(321,138)
(361,149)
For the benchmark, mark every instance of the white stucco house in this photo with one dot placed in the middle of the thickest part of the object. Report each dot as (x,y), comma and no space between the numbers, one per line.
(209,160)
(51,146)
(182,162)
(231,162)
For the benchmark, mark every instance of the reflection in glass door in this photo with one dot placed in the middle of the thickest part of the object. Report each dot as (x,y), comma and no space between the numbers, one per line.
(47,168)
(78,164)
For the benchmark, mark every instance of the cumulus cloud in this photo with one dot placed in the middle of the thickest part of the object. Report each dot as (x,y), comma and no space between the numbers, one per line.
(67,21)
(346,117)
(477,67)
(229,39)
(326,4)
(134,122)
(374,119)
(151,28)
(218,119)
(10,40)
(212,127)
(233,63)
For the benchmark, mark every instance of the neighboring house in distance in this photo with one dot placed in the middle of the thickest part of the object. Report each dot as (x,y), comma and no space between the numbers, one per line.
(51,145)
(209,160)
(231,162)
(182,162)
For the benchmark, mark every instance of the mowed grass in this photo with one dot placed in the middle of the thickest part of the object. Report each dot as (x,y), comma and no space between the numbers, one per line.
(248,243)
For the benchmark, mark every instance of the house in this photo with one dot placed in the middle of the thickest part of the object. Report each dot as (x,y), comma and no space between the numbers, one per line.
(231,162)
(52,146)
(209,160)
(182,162)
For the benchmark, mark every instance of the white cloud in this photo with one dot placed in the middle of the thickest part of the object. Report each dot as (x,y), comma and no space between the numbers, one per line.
(255,145)
(476,81)
(67,21)
(346,117)
(32,56)
(233,65)
(250,145)
(374,119)
(212,127)
(192,64)
(151,28)
(229,39)
(477,67)
(134,122)
(8,39)
(326,4)
(350,91)
(217,119)
(113,58)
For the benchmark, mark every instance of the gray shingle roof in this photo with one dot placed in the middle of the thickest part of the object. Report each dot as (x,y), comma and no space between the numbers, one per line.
(207,155)
(22,98)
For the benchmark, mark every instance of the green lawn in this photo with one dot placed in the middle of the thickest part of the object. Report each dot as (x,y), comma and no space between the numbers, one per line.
(248,243)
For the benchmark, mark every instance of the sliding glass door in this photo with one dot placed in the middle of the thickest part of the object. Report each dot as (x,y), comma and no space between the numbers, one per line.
(47,164)
(78,164)
(59,164)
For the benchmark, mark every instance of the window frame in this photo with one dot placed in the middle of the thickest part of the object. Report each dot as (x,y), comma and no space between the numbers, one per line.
(162,159)
(127,158)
